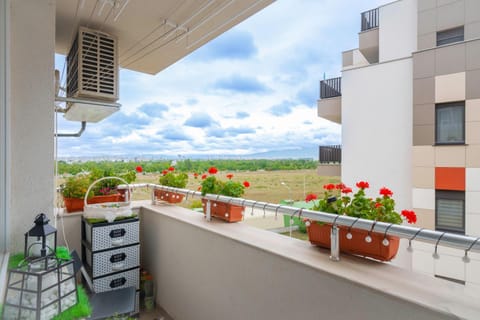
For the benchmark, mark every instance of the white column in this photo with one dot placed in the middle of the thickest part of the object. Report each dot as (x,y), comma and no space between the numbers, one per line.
(31,93)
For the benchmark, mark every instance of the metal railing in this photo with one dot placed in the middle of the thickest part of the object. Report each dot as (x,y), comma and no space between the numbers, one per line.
(330,88)
(330,154)
(369,19)
(437,238)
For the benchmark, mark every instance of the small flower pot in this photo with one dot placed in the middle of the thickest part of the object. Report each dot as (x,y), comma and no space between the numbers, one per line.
(168,196)
(319,234)
(224,211)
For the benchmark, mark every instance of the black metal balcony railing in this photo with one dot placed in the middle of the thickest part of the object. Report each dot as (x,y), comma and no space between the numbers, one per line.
(331,88)
(370,19)
(330,154)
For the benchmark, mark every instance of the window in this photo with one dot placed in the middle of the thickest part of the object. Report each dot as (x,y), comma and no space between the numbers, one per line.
(450,211)
(450,123)
(450,36)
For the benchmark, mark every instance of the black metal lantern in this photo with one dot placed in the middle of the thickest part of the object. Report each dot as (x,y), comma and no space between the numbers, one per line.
(42,285)
(41,240)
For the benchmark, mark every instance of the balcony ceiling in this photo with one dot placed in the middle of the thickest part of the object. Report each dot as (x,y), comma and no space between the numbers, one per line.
(152,34)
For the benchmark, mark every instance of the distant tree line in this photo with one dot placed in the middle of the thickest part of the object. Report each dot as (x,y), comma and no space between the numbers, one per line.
(186,165)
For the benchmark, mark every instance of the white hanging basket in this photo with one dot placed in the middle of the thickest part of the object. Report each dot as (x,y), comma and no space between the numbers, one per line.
(108,210)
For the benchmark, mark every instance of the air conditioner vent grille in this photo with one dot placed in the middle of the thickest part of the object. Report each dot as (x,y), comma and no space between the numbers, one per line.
(92,66)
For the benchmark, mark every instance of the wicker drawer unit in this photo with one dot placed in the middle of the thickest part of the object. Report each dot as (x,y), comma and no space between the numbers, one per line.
(111,254)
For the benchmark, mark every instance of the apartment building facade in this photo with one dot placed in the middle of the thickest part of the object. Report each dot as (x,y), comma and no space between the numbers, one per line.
(409,106)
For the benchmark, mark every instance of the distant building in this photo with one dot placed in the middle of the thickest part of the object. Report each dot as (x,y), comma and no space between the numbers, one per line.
(409,104)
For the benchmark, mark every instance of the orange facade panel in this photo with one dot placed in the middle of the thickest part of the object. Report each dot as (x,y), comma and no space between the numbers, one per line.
(447,178)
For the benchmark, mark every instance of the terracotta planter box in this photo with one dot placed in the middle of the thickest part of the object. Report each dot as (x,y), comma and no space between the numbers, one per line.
(320,235)
(168,196)
(224,211)
(76,204)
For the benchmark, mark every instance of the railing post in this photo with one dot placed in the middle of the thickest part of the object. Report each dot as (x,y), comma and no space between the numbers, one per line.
(208,213)
(334,243)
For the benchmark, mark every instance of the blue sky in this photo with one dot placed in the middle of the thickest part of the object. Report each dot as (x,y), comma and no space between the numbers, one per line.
(253,89)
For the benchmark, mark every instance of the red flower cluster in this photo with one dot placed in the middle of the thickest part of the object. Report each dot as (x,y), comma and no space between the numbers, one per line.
(340,186)
(212,170)
(204,176)
(164,172)
(410,216)
(246,184)
(329,186)
(347,190)
(139,169)
(195,175)
(363,185)
(310,197)
(229,176)
(386,192)
(171,169)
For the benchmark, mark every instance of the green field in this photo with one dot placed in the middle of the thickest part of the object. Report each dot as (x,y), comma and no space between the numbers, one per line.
(264,185)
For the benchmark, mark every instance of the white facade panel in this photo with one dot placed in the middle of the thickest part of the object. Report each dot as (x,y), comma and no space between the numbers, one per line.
(472,202)
(472,179)
(377,128)
(398,30)
(423,198)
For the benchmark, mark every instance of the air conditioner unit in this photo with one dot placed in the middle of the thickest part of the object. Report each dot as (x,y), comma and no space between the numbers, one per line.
(92,66)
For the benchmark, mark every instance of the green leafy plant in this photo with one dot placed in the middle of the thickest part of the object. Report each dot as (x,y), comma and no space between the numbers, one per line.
(211,184)
(76,186)
(171,178)
(336,199)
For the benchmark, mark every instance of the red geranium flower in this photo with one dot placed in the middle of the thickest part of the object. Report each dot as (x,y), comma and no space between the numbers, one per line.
(363,185)
(195,175)
(204,176)
(340,186)
(139,169)
(212,170)
(230,176)
(310,197)
(171,169)
(329,186)
(386,192)
(378,204)
(164,172)
(410,216)
(347,190)
(246,184)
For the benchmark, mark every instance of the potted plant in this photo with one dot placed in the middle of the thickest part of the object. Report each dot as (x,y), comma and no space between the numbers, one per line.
(75,187)
(73,192)
(171,178)
(212,185)
(337,200)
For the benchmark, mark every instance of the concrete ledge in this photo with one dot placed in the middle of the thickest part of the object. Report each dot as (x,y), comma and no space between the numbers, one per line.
(214,270)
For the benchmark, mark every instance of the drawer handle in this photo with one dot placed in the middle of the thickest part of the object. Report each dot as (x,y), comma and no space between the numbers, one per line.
(117,233)
(117,282)
(116,243)
(118,257)
(118,266)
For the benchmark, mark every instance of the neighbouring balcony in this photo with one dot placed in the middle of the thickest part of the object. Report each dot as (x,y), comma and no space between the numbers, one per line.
(369,19)
(329,104)
(330,159)
(368,37)
(213,270)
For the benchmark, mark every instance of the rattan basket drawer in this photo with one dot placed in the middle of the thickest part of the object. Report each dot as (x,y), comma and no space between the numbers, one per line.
(130,278)
(101,236)
(114,260)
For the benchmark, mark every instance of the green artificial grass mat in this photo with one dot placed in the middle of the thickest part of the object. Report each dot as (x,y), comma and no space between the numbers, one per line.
(98,220)
(81,310)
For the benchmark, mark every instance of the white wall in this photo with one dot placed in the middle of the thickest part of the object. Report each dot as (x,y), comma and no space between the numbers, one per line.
(214,270)
(377,128)
(32,44)
(398,30)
